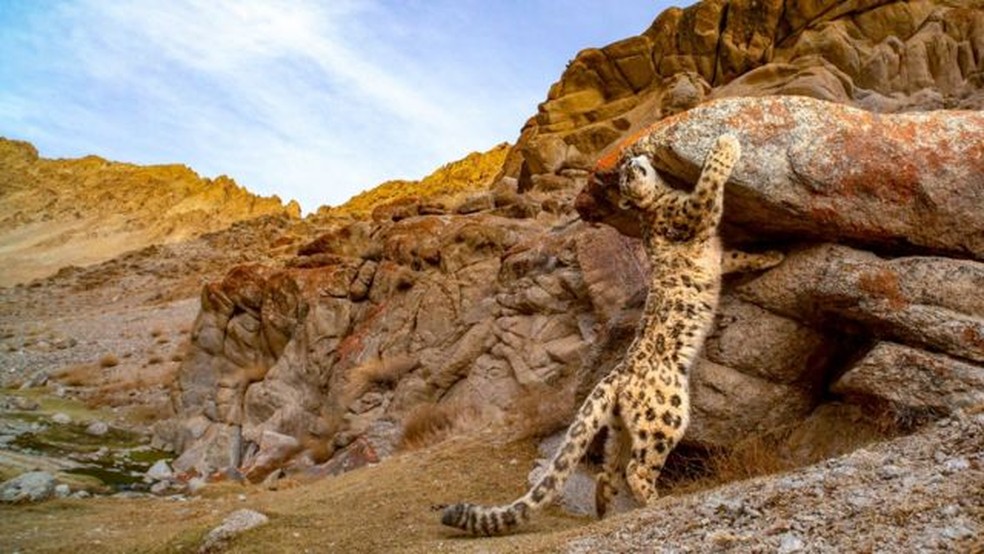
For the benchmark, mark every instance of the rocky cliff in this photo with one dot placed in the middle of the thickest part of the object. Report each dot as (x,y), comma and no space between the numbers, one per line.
(53,213)
(510,302)
(879,55)
(473,173)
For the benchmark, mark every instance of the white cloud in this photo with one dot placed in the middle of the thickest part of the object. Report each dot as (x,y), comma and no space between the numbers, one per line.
(276,95)
(313,100)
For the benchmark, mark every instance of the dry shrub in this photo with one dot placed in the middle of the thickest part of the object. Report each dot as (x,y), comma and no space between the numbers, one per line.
(750,457)
(78,375)
(431,423)
(156,332)
(692,469)
(384,372)
(148,413)
(540,411)
(155,359)
(109,360)
(121,389)
(894,419)
(319,448)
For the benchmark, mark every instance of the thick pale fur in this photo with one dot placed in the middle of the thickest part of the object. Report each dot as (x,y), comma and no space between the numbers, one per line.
(644,401)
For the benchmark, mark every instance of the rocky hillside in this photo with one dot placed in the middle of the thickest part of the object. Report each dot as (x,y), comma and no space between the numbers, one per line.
(510,303)
(53,213)
(475,172)
(879,55)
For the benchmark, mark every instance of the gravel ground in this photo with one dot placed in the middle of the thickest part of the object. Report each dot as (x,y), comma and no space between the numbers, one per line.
(920,493)
(131,334)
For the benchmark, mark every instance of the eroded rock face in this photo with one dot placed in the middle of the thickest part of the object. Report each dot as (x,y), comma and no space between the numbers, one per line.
(878,55)
(486,299)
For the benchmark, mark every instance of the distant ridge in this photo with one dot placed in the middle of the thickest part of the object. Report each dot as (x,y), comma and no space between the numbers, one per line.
(59,212)
(474,172)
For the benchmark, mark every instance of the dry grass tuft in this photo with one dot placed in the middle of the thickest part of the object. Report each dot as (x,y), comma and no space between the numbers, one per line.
(382,372)
(751,457)
(540,411)
(692,469)
(431,423)
(145,414)
(109,360)
(783,449)
(79,375)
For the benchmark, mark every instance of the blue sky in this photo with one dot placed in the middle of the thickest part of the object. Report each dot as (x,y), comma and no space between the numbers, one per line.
(313,101)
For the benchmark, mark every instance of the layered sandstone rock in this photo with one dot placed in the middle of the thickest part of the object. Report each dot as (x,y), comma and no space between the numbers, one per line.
(56,213)
(880,55)
(507,294)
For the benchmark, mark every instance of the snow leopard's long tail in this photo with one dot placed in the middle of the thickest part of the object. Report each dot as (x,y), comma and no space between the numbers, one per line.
(595,413)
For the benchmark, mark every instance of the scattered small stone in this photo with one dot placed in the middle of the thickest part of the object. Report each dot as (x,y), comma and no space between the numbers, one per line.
(62,490)
(271,482)
(39,379)
(957,532)
(33,486)
(160,488)
(890,472)
(159,471)
(81,494)
(732,507)
(236,523)
(954,465)
(130,494)
(61,418)
(97,428)
(23,404)
(196,484)
(951,510)
(790,543)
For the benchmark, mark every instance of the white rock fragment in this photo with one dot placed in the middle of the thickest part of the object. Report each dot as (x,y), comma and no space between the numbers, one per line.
(33,486)
(236,523)
(97,428)
(159,471)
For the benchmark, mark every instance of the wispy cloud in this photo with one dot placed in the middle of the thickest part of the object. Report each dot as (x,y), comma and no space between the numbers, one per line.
(311,100)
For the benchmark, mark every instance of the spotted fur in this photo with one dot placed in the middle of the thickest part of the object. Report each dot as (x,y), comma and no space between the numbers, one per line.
(644,402)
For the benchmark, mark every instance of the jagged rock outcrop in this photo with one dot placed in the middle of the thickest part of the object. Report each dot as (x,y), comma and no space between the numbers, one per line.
(880,55)
(509,294)
(53,213)
(430,195)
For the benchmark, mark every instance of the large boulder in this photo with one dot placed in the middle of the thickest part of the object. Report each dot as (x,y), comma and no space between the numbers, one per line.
(812,169)
(929,302)
(912,379)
